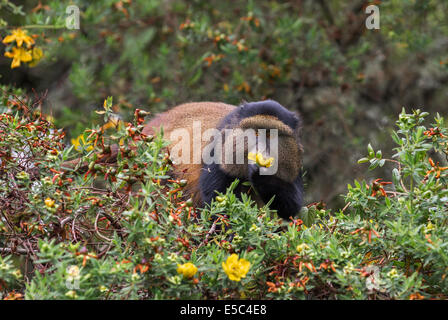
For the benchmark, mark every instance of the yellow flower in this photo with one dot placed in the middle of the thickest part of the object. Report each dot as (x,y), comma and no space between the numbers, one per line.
(37,55)
(19,36)
(258,158)
(80,143)
(188,270)
(393,273)
(112,123)
(49,203)
(17,274)
(429,227)
(18,55)
(302,247)
(71,294)
(236,268)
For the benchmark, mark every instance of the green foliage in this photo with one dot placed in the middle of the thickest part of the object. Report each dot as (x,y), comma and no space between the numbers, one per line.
(121,231)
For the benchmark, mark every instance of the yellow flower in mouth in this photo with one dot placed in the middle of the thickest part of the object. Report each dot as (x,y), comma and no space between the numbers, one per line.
(19,36)
(188,270)
(236,268)
(18,55)
(80,143)
(259,160)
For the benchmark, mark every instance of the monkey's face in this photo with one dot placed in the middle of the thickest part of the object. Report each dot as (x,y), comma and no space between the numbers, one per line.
(267,136)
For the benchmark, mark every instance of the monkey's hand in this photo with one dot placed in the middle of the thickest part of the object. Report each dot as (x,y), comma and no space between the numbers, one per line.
(288,197)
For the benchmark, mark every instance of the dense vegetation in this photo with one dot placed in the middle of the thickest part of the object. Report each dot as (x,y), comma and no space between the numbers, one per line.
(126,232)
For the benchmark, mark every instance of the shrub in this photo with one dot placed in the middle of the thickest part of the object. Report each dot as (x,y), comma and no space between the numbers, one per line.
(125,231)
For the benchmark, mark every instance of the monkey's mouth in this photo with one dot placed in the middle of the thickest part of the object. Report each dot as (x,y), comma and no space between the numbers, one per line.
(258,164)
(260,160)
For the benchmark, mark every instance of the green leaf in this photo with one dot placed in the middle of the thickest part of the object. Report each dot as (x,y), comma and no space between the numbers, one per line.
(308,215)
(363,160)
(396,177)
(370,150)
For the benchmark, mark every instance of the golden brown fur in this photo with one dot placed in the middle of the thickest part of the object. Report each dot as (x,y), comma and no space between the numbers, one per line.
(204,177)
(182,116)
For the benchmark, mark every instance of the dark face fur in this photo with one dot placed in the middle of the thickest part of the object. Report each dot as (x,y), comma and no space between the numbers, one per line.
(285,185)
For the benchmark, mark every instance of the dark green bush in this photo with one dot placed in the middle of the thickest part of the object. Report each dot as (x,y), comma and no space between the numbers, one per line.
(125,231)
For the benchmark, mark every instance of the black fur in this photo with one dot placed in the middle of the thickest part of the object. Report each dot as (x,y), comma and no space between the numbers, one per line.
(288,197)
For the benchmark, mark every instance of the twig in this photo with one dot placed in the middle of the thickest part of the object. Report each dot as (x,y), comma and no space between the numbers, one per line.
(346,206)
(97,231)
(210,232)
(16,250)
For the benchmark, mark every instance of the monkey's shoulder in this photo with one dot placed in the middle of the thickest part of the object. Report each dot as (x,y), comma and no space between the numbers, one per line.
(183,116)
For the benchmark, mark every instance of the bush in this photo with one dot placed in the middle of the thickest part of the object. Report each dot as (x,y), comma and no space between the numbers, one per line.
(126,232)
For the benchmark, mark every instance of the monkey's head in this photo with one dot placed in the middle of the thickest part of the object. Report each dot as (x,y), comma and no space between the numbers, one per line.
(265,128)
(269,132)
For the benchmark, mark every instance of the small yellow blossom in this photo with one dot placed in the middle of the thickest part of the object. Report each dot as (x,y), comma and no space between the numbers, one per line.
(393,273)
(80,142)
(188,270)
(18,55)
(49,203)
(254,228)
(258,158)
(71,294)
(175,280)
(17,274)
(236,268)
(112,123)
(22,175)
(429,227)
(19,36)
(302,247)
